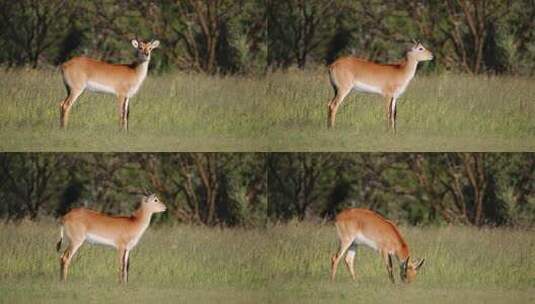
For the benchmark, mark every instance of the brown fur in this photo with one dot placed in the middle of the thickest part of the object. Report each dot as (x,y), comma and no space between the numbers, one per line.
(354,223)
(122,231)
(390,79)
(123,79)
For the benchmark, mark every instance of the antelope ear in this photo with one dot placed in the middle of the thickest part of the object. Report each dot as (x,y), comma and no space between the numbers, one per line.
(419,264)
(155,44)
(135,43)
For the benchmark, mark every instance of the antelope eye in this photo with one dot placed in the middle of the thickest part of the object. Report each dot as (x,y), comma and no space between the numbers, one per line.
(420,49)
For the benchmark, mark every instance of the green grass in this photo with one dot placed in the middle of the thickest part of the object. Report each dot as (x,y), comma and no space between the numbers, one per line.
(463,265)
(282,264)
(279,112)
(436,113)
(170,264)
(178,112)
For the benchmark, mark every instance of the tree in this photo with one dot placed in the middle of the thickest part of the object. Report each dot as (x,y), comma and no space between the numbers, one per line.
(198,27)
(458,29)
(295,179)
(294,28)
(29,180)
(31,28)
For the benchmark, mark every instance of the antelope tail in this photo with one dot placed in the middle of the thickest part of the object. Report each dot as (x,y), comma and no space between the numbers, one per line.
(334,84)
(58,245)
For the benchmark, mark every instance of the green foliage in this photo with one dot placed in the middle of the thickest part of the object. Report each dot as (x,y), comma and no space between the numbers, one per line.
(465,36)
(418,189)
(33,29)
(252,36)
(199,36)
(211,189)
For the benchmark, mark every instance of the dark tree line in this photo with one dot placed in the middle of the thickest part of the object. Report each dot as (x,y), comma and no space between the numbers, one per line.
(470,36)
(254,36)
(418,188)
(198,188)
(248,189)
(216,36)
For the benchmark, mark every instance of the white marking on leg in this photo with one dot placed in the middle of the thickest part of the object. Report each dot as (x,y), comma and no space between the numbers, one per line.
(351,252)
(125,112)
(393,106)
(125,266)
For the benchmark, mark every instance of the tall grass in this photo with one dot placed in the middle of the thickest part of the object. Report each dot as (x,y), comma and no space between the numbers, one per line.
(436,113)
(286,263)
(179,112)
(463,265)
(170,264)
(279,112)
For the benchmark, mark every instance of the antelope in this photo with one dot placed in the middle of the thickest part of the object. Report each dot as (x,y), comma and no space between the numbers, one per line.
(364,227)
(121,232)
(123,80)
(389,80)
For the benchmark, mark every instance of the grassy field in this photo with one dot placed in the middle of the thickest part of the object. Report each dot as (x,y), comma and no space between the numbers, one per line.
(436,113)
(283,264)
(179,264)
(279,112)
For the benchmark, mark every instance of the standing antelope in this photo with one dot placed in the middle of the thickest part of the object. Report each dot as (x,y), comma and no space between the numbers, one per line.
(365,227)
(388,80)
(121,232)
(123,80)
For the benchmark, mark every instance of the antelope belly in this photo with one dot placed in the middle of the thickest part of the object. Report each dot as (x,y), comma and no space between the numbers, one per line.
(360,239)
(97,239)
(366,88)
(99,87)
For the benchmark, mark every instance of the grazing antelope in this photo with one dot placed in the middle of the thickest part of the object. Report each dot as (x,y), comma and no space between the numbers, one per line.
(123,80)
(121,232)
(365,227)
(388,80)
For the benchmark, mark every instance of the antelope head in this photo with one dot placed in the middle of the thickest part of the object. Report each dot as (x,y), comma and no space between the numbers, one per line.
(144,48)
(409,269)
(419,52)
(153,204)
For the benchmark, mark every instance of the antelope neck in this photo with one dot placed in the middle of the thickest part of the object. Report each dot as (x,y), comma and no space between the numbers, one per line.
(143,216)
(403,252)
(410,66)
(142,66)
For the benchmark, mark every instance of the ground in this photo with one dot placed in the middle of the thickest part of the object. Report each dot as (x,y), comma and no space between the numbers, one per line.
(275,264)
(277,112)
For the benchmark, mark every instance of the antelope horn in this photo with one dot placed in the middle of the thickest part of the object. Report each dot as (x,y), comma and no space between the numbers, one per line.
(404,264)
(419,263)
(145,191)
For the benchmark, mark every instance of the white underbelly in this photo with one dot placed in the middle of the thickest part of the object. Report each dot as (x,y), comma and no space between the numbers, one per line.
(133,90)
(132,243)
(366,88)
(99,87)
(97,239)
(400,90)
(360,239)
